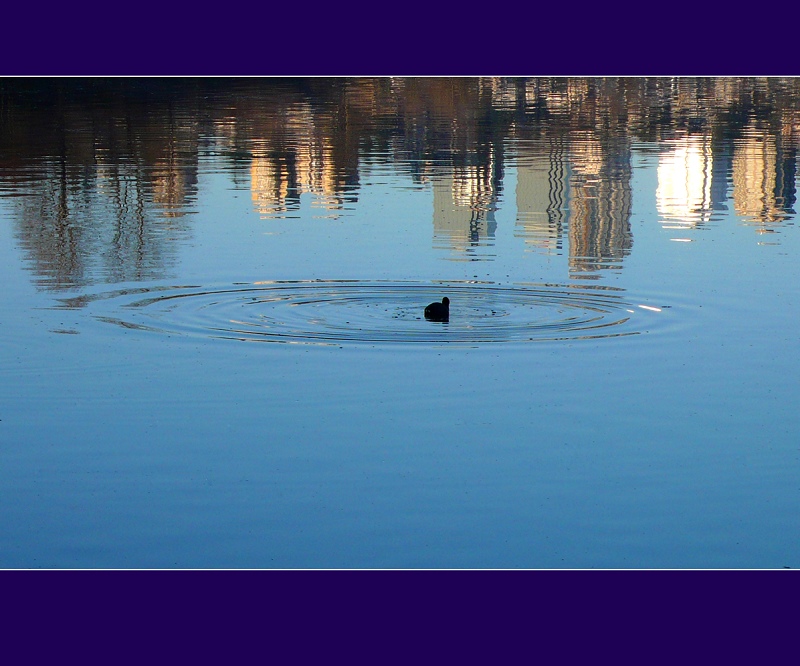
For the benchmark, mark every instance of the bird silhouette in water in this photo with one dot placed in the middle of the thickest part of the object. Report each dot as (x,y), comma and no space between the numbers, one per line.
(438,311)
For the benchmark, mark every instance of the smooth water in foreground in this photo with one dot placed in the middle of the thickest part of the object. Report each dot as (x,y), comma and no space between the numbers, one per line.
(213,351)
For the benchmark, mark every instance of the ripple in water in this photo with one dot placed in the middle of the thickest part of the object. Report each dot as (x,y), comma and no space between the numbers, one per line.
(338,312)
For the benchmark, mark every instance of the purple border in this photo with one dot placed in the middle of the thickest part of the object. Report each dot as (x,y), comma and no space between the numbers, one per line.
(664,616)
(397,39)
(438,614)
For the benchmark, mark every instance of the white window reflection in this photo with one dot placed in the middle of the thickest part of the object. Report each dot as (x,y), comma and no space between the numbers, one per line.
(683,195)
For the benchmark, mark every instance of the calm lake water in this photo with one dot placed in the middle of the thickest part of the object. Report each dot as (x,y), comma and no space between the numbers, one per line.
(213,351)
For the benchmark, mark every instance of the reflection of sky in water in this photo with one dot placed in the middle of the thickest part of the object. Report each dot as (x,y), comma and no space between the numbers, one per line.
(606,392)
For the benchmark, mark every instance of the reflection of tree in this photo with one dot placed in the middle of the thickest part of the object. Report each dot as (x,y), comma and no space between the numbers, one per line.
(107,189)
(49,234)
(98,231)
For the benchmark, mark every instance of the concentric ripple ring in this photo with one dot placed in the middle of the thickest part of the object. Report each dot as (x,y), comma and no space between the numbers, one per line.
(373,312)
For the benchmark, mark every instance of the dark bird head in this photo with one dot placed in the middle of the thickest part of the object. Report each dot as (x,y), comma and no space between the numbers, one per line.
(438,311)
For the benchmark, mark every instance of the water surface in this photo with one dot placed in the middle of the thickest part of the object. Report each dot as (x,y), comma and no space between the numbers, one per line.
(214,355)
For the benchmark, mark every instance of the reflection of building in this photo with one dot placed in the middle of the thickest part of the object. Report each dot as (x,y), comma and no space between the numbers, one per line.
(118,175)
(684,191)
(763,178)
(504,93)
(465,198)
(274,184)
(584,192)
(599,204)
(542,189)
(464,202)
(299,159)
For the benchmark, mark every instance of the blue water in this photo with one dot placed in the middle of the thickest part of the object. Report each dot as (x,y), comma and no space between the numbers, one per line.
(233,376)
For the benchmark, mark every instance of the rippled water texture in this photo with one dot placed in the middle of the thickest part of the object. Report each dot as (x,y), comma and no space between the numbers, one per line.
(326,312)
(213,349)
